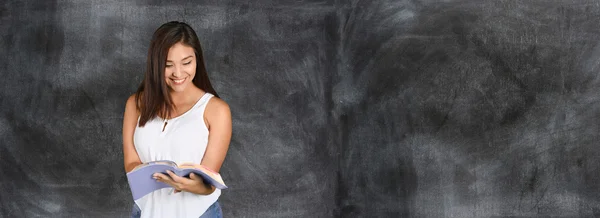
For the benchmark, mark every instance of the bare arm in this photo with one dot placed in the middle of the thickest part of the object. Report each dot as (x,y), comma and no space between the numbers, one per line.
(218,116)
(131,158)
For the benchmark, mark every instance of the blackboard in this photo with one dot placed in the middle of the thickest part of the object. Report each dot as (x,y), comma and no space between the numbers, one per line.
(478,108)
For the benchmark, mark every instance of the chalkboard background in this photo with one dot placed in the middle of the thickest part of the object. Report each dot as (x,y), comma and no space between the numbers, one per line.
(479,108)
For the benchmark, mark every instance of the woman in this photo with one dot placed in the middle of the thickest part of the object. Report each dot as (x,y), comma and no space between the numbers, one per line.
(176,115)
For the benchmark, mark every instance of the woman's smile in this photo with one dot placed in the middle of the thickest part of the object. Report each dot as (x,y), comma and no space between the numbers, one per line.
(178,81)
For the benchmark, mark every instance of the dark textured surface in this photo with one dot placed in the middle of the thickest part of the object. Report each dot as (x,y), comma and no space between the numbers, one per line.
(478,108)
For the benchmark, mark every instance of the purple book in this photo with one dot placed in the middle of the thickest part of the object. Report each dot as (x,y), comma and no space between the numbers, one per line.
(141,182)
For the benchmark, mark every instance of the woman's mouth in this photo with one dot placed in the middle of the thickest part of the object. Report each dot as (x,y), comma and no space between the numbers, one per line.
(178,81)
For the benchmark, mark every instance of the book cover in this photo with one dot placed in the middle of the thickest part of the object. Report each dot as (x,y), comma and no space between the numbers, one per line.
(141,182)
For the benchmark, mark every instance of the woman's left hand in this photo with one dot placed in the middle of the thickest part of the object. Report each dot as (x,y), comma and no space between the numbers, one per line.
(195,184)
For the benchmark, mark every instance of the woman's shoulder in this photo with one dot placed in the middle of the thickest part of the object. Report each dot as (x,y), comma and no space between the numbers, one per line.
(217,104)
(131,100)
(131,103)
(217,107)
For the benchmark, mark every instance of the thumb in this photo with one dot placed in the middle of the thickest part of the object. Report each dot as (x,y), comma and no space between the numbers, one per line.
(195,177)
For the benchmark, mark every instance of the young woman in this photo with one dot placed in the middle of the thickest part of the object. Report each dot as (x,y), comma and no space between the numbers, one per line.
(176,115)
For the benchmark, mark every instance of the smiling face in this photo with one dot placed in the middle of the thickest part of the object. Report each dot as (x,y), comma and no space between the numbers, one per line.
(180,68)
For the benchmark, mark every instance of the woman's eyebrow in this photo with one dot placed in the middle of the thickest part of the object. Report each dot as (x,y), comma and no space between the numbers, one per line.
(182,59)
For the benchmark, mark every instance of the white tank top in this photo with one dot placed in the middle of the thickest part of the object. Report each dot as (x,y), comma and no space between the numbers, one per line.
(184,139)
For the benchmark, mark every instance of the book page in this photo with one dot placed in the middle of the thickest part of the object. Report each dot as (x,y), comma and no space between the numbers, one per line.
(170,163)
(212,174)
(205,170)
(160,162)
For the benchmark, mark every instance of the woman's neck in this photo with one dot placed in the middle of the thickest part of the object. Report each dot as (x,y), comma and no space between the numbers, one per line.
(179,98)
(186,97)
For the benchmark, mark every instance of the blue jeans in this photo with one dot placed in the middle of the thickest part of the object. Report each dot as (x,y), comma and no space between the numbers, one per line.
(214,211)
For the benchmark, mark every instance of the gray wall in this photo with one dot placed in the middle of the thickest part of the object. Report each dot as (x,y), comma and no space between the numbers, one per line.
(480,108)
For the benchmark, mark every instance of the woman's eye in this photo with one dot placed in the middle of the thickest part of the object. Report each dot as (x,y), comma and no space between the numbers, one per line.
(187,63)
(169,65)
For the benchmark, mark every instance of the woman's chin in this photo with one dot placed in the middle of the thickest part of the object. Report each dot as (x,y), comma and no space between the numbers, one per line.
(177,88)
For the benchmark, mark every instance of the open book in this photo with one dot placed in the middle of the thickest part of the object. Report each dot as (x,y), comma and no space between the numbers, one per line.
(141,182)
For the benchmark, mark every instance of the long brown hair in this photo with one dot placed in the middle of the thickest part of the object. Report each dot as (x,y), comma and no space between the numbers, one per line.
(152,96)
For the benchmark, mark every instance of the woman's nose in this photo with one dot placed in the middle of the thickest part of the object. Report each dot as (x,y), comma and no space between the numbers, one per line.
(177,71)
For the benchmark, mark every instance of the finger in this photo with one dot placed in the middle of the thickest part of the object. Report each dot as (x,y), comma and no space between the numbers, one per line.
(175,178)
(193,176)
(165,179)
(160,176)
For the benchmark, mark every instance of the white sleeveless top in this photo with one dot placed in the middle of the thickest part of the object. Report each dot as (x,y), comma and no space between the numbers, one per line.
(184,139)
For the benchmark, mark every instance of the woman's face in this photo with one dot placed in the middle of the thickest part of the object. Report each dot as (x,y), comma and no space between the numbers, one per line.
(180,68)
